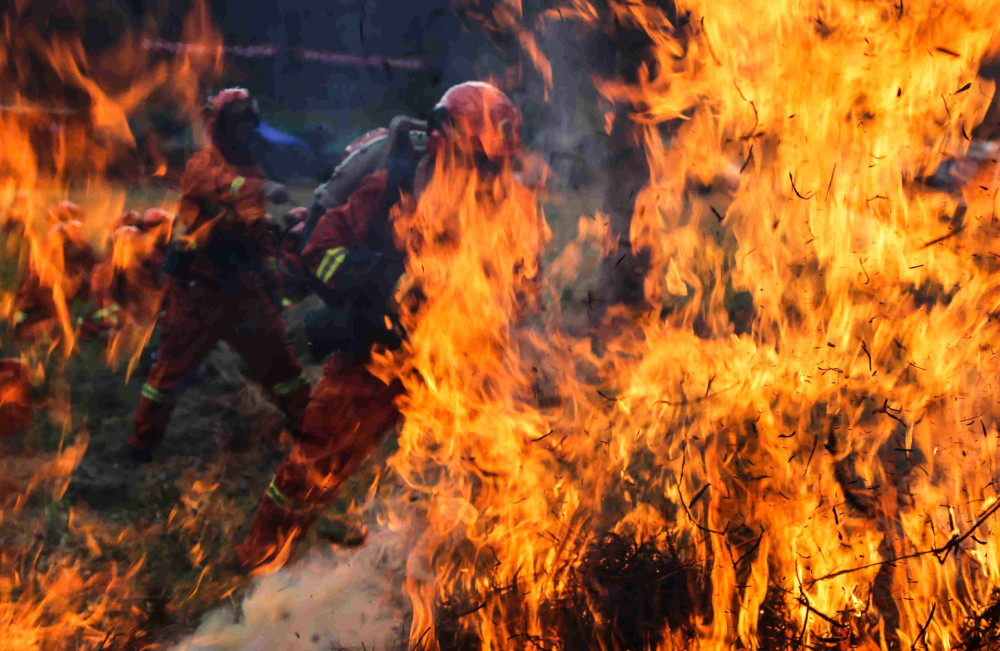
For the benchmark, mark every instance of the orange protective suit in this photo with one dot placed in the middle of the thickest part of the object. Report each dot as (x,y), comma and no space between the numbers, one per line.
(223,291)
(349,410)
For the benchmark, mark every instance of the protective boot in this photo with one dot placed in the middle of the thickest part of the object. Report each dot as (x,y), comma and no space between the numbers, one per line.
(273,536)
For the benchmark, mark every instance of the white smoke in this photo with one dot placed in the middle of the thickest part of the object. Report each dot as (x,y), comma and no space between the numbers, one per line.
(331,600)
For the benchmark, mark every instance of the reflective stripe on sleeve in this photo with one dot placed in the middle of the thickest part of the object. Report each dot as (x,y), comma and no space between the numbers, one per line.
(238,182)
(284,388)
(332,260)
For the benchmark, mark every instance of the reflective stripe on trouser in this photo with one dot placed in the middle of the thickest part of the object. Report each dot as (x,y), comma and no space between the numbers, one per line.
(289,505)
(152,393)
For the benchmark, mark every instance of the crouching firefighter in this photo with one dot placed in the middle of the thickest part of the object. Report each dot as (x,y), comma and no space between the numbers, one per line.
(222,280)
(357,267)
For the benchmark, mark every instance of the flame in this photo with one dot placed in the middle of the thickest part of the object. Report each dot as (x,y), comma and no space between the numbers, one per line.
(807,410)
(54,149)
(64,114)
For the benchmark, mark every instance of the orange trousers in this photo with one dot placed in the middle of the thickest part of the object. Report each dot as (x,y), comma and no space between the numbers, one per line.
(198,317)
(349,412)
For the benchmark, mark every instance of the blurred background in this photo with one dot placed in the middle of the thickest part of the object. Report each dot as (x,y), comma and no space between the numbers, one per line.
(326,71)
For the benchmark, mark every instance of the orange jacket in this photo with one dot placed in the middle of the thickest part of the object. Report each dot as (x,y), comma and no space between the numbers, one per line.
(220,198)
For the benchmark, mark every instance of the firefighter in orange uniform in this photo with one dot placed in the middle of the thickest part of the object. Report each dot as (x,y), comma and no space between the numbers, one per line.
(223,283)
(357,269)
(67,253)
(294,288)
(128,284)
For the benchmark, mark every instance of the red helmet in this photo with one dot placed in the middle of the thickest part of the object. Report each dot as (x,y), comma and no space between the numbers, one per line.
(129,218)
(65,211)
(225,97)
(477,117)
(231,100)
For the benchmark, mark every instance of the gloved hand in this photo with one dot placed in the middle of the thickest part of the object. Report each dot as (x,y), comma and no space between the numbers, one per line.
(275,192)
(296,216)
(379,325)
(408,292)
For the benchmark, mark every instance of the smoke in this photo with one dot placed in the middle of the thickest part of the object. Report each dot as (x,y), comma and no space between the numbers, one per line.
(332,599)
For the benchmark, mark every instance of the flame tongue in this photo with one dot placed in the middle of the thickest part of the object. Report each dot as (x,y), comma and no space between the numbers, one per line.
(64,121)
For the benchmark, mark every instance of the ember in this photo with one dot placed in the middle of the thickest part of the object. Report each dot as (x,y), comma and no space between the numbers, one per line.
(676,331)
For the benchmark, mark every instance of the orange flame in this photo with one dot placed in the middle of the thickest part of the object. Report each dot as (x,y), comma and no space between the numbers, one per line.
(53,150)
(64,124)
(833,454)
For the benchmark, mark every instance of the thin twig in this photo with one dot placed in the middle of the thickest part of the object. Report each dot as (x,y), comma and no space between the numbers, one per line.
(949,546)
(691,517)
(747,161)
(938,240)
(923,629)
(796,190)
(744,556)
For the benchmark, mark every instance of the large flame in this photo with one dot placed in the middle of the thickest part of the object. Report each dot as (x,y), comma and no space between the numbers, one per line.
(835,460)
(64,122)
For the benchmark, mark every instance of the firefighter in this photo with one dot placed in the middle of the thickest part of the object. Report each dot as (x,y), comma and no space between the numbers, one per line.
(222,280)
(66,261)
(357,267)
(129,285)
(294,288)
